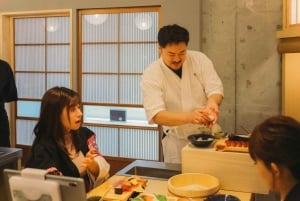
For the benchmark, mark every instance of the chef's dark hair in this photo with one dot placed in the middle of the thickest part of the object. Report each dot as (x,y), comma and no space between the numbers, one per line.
(276,140)
(172,34)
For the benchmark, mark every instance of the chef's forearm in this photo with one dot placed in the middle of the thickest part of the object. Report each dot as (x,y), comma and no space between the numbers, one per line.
(215,98)
(167,118)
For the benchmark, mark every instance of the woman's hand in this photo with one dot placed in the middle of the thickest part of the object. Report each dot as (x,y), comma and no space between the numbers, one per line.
(54,171)
(90,163)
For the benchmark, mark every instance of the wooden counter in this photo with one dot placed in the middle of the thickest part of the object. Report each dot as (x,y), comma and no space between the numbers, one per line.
(153,186)
(235,170)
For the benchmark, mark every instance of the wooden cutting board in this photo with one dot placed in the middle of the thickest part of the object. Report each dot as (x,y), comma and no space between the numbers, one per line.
(221,145)
(108,191)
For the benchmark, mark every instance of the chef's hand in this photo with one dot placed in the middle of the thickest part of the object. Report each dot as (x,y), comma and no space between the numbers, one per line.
(213,112)
(90,163)
(212,106)
(200,116)
(213,117)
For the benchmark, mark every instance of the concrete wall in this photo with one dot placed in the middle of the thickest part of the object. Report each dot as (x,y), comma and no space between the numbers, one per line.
(238,35)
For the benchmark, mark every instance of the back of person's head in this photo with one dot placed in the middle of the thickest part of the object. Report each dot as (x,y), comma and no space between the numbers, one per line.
(170,34)
(53,103)
(276,140)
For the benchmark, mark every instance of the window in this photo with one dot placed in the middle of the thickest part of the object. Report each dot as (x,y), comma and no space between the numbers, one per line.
(41,49)
(289,47)
(115,46)
(293,12)
(290,22)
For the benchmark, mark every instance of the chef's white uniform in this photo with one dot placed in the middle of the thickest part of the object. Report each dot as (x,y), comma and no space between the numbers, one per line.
(162,89)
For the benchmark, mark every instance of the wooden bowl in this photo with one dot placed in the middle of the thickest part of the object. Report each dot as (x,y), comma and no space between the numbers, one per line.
(193,185)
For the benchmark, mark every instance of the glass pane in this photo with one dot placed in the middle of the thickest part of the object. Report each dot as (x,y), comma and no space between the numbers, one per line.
(58,79)
(28,108)
(293,11)
(24,129)
(99,58)
(141,26)
(30,85)
(29,30)
(102,115)
(58,58)
(298,11)
(99,28)
(134,58)
(30,58)
(100,88)
(58,29)
(130,91)
(107,140)
(95,114)
(142,144)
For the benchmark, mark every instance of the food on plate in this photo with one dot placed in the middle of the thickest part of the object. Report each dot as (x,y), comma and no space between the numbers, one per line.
(234,143)
(133,181)
(149,197)
(161,197)
(118,190)
(128,184)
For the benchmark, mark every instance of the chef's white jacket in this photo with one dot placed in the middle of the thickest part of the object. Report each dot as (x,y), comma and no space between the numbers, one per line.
(162,89)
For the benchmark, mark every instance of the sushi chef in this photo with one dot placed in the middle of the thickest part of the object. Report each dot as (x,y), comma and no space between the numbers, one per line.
(181,91)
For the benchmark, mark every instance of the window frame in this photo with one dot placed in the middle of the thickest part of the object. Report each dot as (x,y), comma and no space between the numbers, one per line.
(79,61)
(289,13)
(120,126)
(10,18)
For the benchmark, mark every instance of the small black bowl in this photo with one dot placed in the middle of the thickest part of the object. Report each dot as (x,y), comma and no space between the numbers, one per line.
(222,197)
(201,139)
